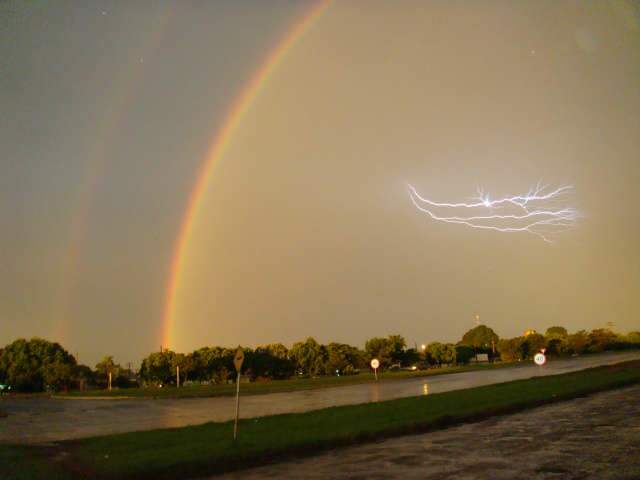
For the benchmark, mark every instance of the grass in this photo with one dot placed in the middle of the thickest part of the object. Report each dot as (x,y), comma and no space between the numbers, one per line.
(27,463)
(208,448)
(274,386)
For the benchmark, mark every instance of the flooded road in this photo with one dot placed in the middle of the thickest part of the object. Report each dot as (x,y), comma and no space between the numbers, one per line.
(597,437)
(42,420)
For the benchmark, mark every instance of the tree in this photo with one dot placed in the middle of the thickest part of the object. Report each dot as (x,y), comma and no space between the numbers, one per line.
(186,365)
(84,376)
(34,365)
(464,353)
(397,345)
(577,342)
(521,348)
(309,356)
(556,345)
(344,359)
(449,354)
(633,337)
(277,350)
(436,353)
(601,339)
(410,357)
(388,350)
(481,338)
(534,343)
(270,361)
(58,375)
(158,368)
(556,332)
(213,364)
(511,349)
(105,367)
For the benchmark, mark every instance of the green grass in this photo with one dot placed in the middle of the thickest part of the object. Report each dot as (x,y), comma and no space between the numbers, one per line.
(28,463)
(277,386)
(208,448)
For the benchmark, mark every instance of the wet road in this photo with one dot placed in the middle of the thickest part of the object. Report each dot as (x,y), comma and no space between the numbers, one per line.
(597,437)
(42,420)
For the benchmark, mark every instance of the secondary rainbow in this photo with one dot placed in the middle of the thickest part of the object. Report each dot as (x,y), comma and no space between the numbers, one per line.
(218,148)
(125,83)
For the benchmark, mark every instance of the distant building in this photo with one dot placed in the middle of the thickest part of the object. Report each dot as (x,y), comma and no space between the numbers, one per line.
(481,358)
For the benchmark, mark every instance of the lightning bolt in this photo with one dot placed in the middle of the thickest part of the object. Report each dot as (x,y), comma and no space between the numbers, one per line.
(533,212)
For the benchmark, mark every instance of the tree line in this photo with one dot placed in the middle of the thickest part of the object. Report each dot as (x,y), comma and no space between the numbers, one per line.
(38,365)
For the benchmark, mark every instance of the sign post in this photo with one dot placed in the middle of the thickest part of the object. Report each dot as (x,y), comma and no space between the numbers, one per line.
(237,361)
(375,363)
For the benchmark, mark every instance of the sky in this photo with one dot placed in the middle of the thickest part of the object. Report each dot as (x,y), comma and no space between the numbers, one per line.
(302,225)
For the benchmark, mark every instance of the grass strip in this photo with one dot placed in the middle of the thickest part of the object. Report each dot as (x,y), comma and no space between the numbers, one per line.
(208,448)
(28,463)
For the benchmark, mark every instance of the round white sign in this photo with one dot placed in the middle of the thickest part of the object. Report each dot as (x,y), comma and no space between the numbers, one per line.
(540,359)
(375,363)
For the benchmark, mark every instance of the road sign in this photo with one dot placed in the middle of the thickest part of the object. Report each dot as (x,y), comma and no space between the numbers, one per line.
(540,359)
(238,359)
(375,363)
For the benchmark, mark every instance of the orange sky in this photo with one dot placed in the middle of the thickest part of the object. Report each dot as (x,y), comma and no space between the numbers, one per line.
(305,228)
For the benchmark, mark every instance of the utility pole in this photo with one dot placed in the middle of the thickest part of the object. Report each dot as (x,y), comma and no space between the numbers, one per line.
(178,376)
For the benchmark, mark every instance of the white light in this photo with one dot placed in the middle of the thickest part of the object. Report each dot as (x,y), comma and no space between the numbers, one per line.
(534,212)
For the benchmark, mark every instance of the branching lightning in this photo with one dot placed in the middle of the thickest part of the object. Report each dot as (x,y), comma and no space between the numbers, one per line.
(534,212)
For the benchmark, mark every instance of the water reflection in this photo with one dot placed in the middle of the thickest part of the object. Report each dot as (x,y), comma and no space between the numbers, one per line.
(375,392)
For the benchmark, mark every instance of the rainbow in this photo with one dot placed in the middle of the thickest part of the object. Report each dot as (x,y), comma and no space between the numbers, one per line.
(126,85)
(221,141)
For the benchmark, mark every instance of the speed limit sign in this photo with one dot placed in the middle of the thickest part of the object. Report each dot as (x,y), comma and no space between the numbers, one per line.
(540,359)
(375,363)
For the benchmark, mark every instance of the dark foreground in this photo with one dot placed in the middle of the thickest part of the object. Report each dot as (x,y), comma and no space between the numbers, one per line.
(595,437)
(206,449)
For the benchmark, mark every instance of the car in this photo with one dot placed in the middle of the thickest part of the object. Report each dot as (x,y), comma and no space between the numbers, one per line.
(5,389)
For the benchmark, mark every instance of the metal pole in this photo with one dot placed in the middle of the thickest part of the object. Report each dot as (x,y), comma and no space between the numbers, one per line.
(235,424)
(375,371)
